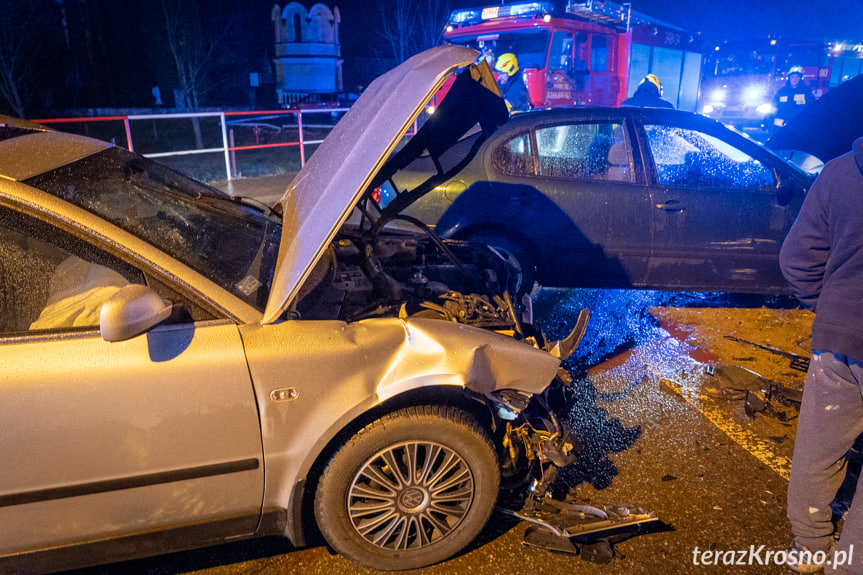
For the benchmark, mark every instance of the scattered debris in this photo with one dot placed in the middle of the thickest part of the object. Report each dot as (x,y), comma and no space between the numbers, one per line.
(759,394)
(570,526)
(798,362)
(562,526)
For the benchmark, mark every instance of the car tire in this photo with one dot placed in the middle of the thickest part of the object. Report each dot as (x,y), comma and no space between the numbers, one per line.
(409,490)
(518,256)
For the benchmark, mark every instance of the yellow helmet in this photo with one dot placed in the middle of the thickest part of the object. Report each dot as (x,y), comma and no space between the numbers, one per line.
(507,63)
(796,70)
(653,79)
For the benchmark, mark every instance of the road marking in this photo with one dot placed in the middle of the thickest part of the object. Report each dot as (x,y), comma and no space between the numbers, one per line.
(749,441)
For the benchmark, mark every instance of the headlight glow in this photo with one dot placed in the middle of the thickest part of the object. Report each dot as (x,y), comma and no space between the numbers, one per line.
(753,94)
(765,109)
(707,109)
(718,95)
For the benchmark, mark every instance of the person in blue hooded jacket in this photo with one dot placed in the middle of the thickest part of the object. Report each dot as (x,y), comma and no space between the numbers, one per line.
(822,260)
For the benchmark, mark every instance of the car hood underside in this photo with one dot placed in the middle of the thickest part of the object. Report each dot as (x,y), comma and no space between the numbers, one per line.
(320,199)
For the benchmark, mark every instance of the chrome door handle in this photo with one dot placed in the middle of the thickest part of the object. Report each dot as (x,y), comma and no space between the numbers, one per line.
(671,206)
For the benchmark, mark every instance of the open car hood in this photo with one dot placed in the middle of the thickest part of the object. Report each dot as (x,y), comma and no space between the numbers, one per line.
(827,127)
(322,195)
(472,104)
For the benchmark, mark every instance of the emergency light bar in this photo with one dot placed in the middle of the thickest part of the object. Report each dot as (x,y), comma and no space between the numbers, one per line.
(602,11)
(851,50)
(476,15)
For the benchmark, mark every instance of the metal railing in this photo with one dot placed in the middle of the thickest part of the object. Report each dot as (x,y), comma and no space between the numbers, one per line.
(225,133)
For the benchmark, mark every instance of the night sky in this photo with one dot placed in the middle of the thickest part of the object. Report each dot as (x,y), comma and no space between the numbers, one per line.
(717,20)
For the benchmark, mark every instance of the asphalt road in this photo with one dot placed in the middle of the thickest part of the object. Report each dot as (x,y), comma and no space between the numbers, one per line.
(654,434)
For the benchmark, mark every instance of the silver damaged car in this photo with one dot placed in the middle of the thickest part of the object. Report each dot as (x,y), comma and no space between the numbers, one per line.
(180,368)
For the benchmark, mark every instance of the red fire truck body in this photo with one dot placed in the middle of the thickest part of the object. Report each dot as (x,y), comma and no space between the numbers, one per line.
(590,53)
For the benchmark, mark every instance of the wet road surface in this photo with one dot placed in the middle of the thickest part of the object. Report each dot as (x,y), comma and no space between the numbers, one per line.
(655,434)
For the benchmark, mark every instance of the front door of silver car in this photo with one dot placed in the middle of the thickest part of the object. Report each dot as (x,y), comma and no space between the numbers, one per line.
(106,438)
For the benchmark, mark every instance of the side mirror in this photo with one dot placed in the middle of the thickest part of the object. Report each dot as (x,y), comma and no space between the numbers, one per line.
(784,194)
(131,311)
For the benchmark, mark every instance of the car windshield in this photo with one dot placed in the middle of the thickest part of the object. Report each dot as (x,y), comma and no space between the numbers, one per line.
(529,46)
(230,243)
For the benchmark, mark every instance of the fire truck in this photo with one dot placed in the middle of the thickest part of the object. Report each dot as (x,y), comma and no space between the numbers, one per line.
(740,78)
(584,53)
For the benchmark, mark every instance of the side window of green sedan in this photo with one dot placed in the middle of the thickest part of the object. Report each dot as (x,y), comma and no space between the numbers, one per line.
(697,160)
(514,157)
(587,151)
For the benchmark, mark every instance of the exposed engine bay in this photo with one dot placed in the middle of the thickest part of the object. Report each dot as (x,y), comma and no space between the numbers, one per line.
(364,274)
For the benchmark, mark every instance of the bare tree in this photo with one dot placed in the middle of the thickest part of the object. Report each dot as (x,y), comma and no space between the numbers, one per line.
(17,70)
(431,20)
(396,24)
(192,46)
(409,26)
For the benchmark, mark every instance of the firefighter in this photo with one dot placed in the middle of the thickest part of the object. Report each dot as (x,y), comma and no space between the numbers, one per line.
(511,83)
(791,98)
(648,94)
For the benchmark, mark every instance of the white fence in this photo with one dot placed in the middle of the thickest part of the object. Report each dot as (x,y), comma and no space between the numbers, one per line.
(223,133)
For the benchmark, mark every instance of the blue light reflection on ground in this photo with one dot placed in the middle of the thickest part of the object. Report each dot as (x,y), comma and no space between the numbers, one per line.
(620,320)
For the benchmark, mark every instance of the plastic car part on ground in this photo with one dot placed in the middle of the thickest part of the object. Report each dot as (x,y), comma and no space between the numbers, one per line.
(759,394)
(584,530)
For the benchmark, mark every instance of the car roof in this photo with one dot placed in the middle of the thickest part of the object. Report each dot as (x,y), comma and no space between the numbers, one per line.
(599,112)
(26,152)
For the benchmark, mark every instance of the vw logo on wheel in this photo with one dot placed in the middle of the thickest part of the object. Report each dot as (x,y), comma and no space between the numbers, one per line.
(412,499)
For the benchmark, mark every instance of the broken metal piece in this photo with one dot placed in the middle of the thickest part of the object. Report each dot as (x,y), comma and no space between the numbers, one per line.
(758,392)
(571,520)
(538,536)
(598,551)
(571,528)
(563,348)
(759,402)
(755,402)
(798,362)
